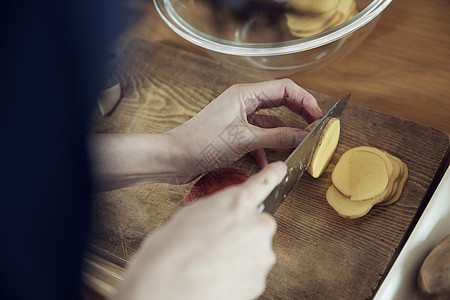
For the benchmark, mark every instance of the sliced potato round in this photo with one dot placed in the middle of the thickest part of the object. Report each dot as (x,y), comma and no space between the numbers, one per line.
(397,165)
(360,174)
(399,189)
(309,23)
(309,17)
(313,6)
(344,11)
(394,179)
(347,208)
(364,177)
(381,153)
(346,7)
(325,148)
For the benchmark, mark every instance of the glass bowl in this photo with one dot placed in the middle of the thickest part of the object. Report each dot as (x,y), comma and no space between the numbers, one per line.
(254,36)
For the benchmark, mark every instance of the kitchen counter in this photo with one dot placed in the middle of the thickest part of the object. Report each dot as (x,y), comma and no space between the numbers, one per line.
(402,68)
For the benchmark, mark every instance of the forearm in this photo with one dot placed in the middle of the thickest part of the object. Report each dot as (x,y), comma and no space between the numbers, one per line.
(122,160)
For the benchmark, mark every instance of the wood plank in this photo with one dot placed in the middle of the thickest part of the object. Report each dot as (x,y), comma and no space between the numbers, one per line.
(320,255)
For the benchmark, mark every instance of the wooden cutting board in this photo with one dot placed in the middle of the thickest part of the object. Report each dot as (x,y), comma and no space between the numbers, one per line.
(319,254)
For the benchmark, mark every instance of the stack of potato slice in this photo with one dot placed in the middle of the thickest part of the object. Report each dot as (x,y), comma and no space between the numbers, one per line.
(309,17)
(364,177)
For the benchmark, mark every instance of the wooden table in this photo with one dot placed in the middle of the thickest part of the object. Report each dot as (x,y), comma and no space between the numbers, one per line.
(401,69)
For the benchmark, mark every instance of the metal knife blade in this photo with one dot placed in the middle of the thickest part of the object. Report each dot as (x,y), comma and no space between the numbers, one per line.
(299,160)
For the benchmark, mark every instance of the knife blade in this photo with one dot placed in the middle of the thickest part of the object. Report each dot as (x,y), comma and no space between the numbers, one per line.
(299,160)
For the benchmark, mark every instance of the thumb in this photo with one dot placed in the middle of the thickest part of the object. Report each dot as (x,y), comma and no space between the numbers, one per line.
(279,138)
(260,185)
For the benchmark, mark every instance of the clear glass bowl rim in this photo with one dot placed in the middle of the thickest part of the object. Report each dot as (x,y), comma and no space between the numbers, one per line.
(182,28)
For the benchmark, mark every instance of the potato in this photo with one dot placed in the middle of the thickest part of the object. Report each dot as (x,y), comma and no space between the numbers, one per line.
(346,8)
(381,153)
(325,148)
(364,177)
(307,24)
(313,6)
(347,208)
(398,188)
(362,174)
(396,175)
(434,275)
(309,17)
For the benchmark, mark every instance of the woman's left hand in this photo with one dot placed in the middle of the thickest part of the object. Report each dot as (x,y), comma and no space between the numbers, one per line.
(228,128)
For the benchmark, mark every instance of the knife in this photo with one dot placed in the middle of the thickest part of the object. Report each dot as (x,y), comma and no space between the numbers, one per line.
(299,160)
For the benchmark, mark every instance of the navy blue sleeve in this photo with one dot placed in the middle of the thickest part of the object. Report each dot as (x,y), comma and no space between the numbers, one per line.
(53,54)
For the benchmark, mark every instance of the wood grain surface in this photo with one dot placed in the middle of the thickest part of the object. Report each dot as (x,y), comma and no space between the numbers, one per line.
(319,254)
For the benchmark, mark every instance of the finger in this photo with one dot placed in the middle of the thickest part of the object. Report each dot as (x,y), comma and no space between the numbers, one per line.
(268,222)
(265,121)
(278,138)
(260,185)
(260,157)
(283,92)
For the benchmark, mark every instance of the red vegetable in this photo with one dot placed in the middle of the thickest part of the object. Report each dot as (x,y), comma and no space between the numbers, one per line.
(215,181)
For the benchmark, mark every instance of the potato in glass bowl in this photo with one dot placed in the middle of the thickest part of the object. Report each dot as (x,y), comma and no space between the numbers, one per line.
(275,37)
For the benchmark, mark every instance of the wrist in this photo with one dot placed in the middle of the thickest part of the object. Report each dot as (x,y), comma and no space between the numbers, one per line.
(183,160)
(122,160)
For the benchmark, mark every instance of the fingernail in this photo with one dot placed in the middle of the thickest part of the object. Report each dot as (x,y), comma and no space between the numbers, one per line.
(280,166)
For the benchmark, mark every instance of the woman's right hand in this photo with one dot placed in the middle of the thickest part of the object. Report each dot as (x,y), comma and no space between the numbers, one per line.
(217,248)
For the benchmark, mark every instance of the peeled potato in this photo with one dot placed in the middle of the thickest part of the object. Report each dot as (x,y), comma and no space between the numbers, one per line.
(399,189)
(344,11)
(309,23)
(381,153)
(397,165)
(350,209)
(346,7)
(360,175)
(309,17)
(395,178)
(325,148)
(313,6)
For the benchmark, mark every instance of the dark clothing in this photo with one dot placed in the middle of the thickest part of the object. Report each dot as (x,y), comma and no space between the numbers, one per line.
(53,53)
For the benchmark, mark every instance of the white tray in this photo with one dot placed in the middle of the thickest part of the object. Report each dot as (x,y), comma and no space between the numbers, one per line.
(432,227)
